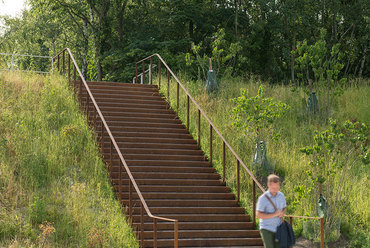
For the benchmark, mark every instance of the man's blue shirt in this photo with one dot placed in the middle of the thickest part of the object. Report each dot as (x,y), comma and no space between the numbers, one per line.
(265,206)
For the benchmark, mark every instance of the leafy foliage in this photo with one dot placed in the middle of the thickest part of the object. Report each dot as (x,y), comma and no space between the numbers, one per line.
(334,153)
(256,114)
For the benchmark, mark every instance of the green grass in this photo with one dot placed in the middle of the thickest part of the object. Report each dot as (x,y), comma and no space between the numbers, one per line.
(54,188)
(296,131)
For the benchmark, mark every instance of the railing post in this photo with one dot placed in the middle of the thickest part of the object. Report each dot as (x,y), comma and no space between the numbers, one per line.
(143,76)
(87,107)
(130,199)
(142,224)
(238,180)
(254,203)
(176,234)
(74,73)
(102,136)
(187,112)
(223,162)
(69,68)
(291,221)
(178,96)
(136,74)
(199,127)
(58,64)
(168,85)
(110,159)
(322,232)
(80,92)
(155,233)
(64,65)
(120,180)
(151,70)
(159,73)
(210,143)
(94,117)
(11,66)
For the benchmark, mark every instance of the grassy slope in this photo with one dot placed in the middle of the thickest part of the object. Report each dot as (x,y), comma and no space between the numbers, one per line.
(50,170)
(296,131)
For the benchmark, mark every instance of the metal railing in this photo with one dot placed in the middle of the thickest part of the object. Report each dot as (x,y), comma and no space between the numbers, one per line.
(212,128)
(134,80)
(97,116)
(12,66)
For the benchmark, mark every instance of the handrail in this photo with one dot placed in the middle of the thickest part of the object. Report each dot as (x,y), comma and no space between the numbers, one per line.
(113,142)
(213,127)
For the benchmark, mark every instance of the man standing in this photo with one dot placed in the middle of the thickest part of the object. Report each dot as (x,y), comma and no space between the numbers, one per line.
(269,218)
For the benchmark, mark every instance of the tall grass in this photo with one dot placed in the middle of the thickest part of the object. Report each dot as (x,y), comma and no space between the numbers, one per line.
(296,131)
(54,189)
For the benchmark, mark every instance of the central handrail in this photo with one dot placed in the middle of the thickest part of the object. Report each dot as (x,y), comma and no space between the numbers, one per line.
(113,142)
(212,127)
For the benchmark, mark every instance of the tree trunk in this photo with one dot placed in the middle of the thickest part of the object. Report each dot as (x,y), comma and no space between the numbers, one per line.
(120,21)
(292,72)
(191,29)
(363,59)
(236,18)
(86,49)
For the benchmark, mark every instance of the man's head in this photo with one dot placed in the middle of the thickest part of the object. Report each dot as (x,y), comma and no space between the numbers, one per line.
(273,183)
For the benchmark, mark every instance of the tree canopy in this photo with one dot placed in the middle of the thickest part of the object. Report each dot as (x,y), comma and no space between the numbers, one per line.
(108,36)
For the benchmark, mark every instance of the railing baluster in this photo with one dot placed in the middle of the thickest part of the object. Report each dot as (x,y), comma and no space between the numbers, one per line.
(223,162)
(210,143)
(159,74)
(254,203)
(199,127)
(155,233)
(151,71)
(238,179)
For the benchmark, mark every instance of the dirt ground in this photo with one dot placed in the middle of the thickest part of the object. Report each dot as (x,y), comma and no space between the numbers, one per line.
(304,243)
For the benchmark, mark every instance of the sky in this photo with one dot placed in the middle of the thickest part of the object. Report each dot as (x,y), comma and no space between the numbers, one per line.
(11,7)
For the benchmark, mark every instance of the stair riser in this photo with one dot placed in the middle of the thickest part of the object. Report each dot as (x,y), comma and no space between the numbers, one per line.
(172,173)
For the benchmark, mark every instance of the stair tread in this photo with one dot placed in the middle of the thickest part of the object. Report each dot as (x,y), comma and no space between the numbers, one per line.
(171,170)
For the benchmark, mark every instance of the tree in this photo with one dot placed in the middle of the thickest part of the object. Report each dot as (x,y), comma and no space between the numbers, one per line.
(334,154)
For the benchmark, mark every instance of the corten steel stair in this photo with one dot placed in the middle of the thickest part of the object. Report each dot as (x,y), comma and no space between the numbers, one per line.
(173,195)
(171,171)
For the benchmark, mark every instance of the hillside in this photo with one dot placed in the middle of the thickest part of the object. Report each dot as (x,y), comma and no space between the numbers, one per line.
(54,189)
(296,130)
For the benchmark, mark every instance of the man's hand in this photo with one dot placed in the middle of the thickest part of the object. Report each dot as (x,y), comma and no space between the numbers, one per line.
(279,213)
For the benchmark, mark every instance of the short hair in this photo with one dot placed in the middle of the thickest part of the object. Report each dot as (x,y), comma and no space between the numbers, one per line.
(273,179)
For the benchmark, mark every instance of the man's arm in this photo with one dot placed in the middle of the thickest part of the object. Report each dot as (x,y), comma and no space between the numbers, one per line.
(277,213)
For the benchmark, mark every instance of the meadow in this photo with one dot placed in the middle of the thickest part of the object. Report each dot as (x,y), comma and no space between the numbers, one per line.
(54,188)
(295,130)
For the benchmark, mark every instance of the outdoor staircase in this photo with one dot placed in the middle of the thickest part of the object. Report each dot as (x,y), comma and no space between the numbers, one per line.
(173,174)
